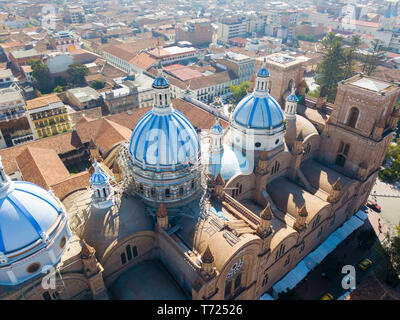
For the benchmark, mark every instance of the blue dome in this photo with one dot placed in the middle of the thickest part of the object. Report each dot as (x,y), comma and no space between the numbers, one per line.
(217,128)
(27,213)
(229,163)
(263,73)
(164,141)
(160,83)
(292,98)
(99,177)
(256,112)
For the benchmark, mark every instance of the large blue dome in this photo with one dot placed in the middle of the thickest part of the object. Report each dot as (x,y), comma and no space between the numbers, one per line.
(164,140)
(27,214)
(258,112)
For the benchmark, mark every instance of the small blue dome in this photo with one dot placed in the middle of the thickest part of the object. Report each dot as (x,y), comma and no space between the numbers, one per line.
(160,83)
(164,141)
(99,177)
(256,112)
(292,98)
(216,128)
(263,73)
(27,213)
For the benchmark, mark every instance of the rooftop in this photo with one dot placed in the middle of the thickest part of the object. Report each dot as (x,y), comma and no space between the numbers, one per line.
(84,94)
(19,54)
(42,101)
(371,84)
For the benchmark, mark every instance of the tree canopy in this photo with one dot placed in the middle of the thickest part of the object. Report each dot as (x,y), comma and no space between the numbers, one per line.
(77,73)
(375,57)
(41,74)
(239,91)
(337,63)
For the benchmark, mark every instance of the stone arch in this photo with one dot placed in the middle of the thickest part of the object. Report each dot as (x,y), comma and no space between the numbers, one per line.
(352,117)
(144,241)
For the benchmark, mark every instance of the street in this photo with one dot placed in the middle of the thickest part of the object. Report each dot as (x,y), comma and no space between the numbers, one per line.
(315,285)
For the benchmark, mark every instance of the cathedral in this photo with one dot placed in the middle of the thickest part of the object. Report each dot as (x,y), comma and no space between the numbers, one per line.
(176,217)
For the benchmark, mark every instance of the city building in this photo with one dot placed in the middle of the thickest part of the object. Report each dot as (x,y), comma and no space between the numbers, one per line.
(134,92)
(84,98)
(21,58)
(65,41)
(174,54)
(74,14)
(48,116)
(230,28)
(14,122)
(199,32)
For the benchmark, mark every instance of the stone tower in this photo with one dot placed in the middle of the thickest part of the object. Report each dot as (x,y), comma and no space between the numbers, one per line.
(360,128)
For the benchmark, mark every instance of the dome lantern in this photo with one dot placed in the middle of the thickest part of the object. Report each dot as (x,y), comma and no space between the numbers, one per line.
(162,97)
(262,79)
(100,184)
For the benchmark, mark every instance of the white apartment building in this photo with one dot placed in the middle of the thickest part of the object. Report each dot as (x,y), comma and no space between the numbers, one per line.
(230,28)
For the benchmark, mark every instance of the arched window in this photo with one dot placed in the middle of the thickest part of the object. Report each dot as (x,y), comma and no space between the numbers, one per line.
(275,168)
(128,252)
(353,117)
(123,258)
(280,252)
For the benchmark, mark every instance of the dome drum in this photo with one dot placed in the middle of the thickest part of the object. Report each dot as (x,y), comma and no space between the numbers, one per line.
(252,140)
(167,193)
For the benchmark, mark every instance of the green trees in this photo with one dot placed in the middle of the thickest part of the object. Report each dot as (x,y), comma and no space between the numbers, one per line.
(239,91)
(331,68)
(392,173)
(41,74)
(375,57)
(77,73)
(387,258)
(337,63)
(350,54)
(97,84)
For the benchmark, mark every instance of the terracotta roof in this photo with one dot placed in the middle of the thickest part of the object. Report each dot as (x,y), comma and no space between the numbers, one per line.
(73,183)
(143,61)
(41,166)
(61,143)
(42,101)
(104,132)
(200,118)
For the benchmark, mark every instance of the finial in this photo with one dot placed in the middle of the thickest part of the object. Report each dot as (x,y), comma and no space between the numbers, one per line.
(337,186)
(267,213)
(293,90)
(159,69)
(207,256)
(219,180)
(303,211)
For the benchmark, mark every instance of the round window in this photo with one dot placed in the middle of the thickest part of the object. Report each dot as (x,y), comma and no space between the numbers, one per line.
(257,144)
(63,242)
(34,267)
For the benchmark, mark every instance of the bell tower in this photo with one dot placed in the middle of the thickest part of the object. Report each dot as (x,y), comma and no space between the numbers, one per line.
(360,128)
